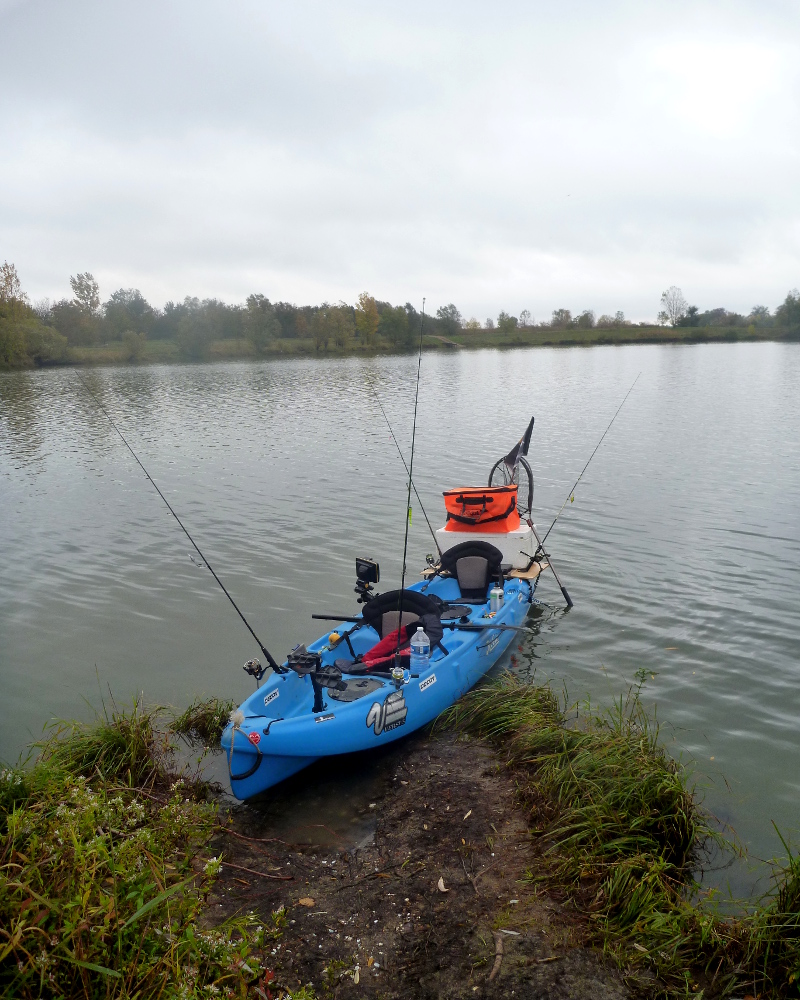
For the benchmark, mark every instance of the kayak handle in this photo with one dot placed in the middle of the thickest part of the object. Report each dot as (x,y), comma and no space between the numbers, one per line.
(250,771)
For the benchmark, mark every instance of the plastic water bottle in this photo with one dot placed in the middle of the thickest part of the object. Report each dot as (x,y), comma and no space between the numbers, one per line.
(495,599)
(420,651)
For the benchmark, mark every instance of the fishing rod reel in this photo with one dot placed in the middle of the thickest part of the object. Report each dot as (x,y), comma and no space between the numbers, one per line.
(367,572)
(322,676)
(255,669)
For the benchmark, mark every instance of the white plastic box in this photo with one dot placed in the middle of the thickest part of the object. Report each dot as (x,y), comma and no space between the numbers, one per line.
(517,546)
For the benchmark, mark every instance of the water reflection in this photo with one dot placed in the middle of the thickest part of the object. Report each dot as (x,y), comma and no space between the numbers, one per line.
(682,549)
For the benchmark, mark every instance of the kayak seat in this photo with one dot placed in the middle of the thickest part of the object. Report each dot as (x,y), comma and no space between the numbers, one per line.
(474,564)
(383,612)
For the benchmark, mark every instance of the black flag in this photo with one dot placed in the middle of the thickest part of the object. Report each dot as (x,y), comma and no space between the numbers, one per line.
(520,448)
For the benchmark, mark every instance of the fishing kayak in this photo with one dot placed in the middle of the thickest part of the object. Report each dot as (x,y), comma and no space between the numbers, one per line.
(354,688)
(279,733)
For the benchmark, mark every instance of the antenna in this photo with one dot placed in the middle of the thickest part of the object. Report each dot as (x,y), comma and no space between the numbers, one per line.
(408,493)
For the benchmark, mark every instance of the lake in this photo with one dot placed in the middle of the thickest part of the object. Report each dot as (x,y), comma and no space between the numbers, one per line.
(681,549)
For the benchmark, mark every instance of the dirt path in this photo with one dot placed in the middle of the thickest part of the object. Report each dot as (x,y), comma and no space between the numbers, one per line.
(376,923)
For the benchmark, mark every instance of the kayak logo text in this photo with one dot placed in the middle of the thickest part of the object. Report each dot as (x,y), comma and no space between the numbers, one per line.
(490,645)
(391,714)
(427,682)
(271,696)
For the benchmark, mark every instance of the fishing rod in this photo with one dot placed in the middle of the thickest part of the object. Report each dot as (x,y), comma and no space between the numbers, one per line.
(570,495)
(408,493)
(268,656)
(402,459)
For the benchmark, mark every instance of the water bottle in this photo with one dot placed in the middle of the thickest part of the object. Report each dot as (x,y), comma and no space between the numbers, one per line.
(495,599)
(420,651)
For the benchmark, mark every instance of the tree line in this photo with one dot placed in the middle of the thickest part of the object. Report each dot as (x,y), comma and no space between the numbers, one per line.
(677,312)
(44,332)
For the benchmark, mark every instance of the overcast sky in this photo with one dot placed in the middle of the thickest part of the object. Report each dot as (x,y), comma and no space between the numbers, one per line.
(508,155)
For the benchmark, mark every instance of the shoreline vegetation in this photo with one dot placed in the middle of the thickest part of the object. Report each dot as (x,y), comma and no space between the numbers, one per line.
(128,329)
(118,878)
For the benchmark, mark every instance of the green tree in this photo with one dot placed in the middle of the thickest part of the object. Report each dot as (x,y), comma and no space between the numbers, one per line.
(128,309)
(321,327)
(760,316)
(450,319)
(561,319)
(506,323)
(193,334)
(342,326)
(86,292)
(788,312)
(367,319)
(395,328)
(261,325)
(23,336)
(586,320)
(134,344)
(10,287)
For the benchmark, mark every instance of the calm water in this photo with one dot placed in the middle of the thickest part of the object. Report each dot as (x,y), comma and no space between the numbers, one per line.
(681,551)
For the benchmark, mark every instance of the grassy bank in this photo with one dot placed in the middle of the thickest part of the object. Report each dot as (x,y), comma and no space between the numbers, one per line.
(631,334)
(106,866)
(104,871)
(168,351)
(621,834)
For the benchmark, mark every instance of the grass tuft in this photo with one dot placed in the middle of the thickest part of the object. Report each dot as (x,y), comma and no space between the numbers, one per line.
(104,872)
(120,745)
(203,721)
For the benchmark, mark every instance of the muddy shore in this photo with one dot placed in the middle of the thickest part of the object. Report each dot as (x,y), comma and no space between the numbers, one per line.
(435,906)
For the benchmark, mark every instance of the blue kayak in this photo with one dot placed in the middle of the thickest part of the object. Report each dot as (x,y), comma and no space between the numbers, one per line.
(333,698)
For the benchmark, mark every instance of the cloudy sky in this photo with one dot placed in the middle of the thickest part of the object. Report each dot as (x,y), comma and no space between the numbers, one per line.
(500,156)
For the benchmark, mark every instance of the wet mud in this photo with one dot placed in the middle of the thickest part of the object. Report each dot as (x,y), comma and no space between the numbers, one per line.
(434,904)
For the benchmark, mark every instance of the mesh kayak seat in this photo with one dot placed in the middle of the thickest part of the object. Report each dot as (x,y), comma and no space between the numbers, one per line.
(383,614)
(474,565)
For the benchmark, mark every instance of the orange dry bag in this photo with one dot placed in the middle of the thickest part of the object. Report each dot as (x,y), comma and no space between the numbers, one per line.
(490,509)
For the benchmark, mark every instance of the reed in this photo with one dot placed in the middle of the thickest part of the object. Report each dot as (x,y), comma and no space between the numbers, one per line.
(203,721)
(119,745)
(620,832)
(104,871)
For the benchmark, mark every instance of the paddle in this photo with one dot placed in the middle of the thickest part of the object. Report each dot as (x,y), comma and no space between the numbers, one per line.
(567,598)
(465,627)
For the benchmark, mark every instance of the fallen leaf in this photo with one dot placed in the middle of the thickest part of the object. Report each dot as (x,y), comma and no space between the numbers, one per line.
(306,901)
(639,947)
(424,826)
(440,886)
(468,814)
(356,977)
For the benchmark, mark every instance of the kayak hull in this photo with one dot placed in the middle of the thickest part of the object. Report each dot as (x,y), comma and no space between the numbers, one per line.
(281,734)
